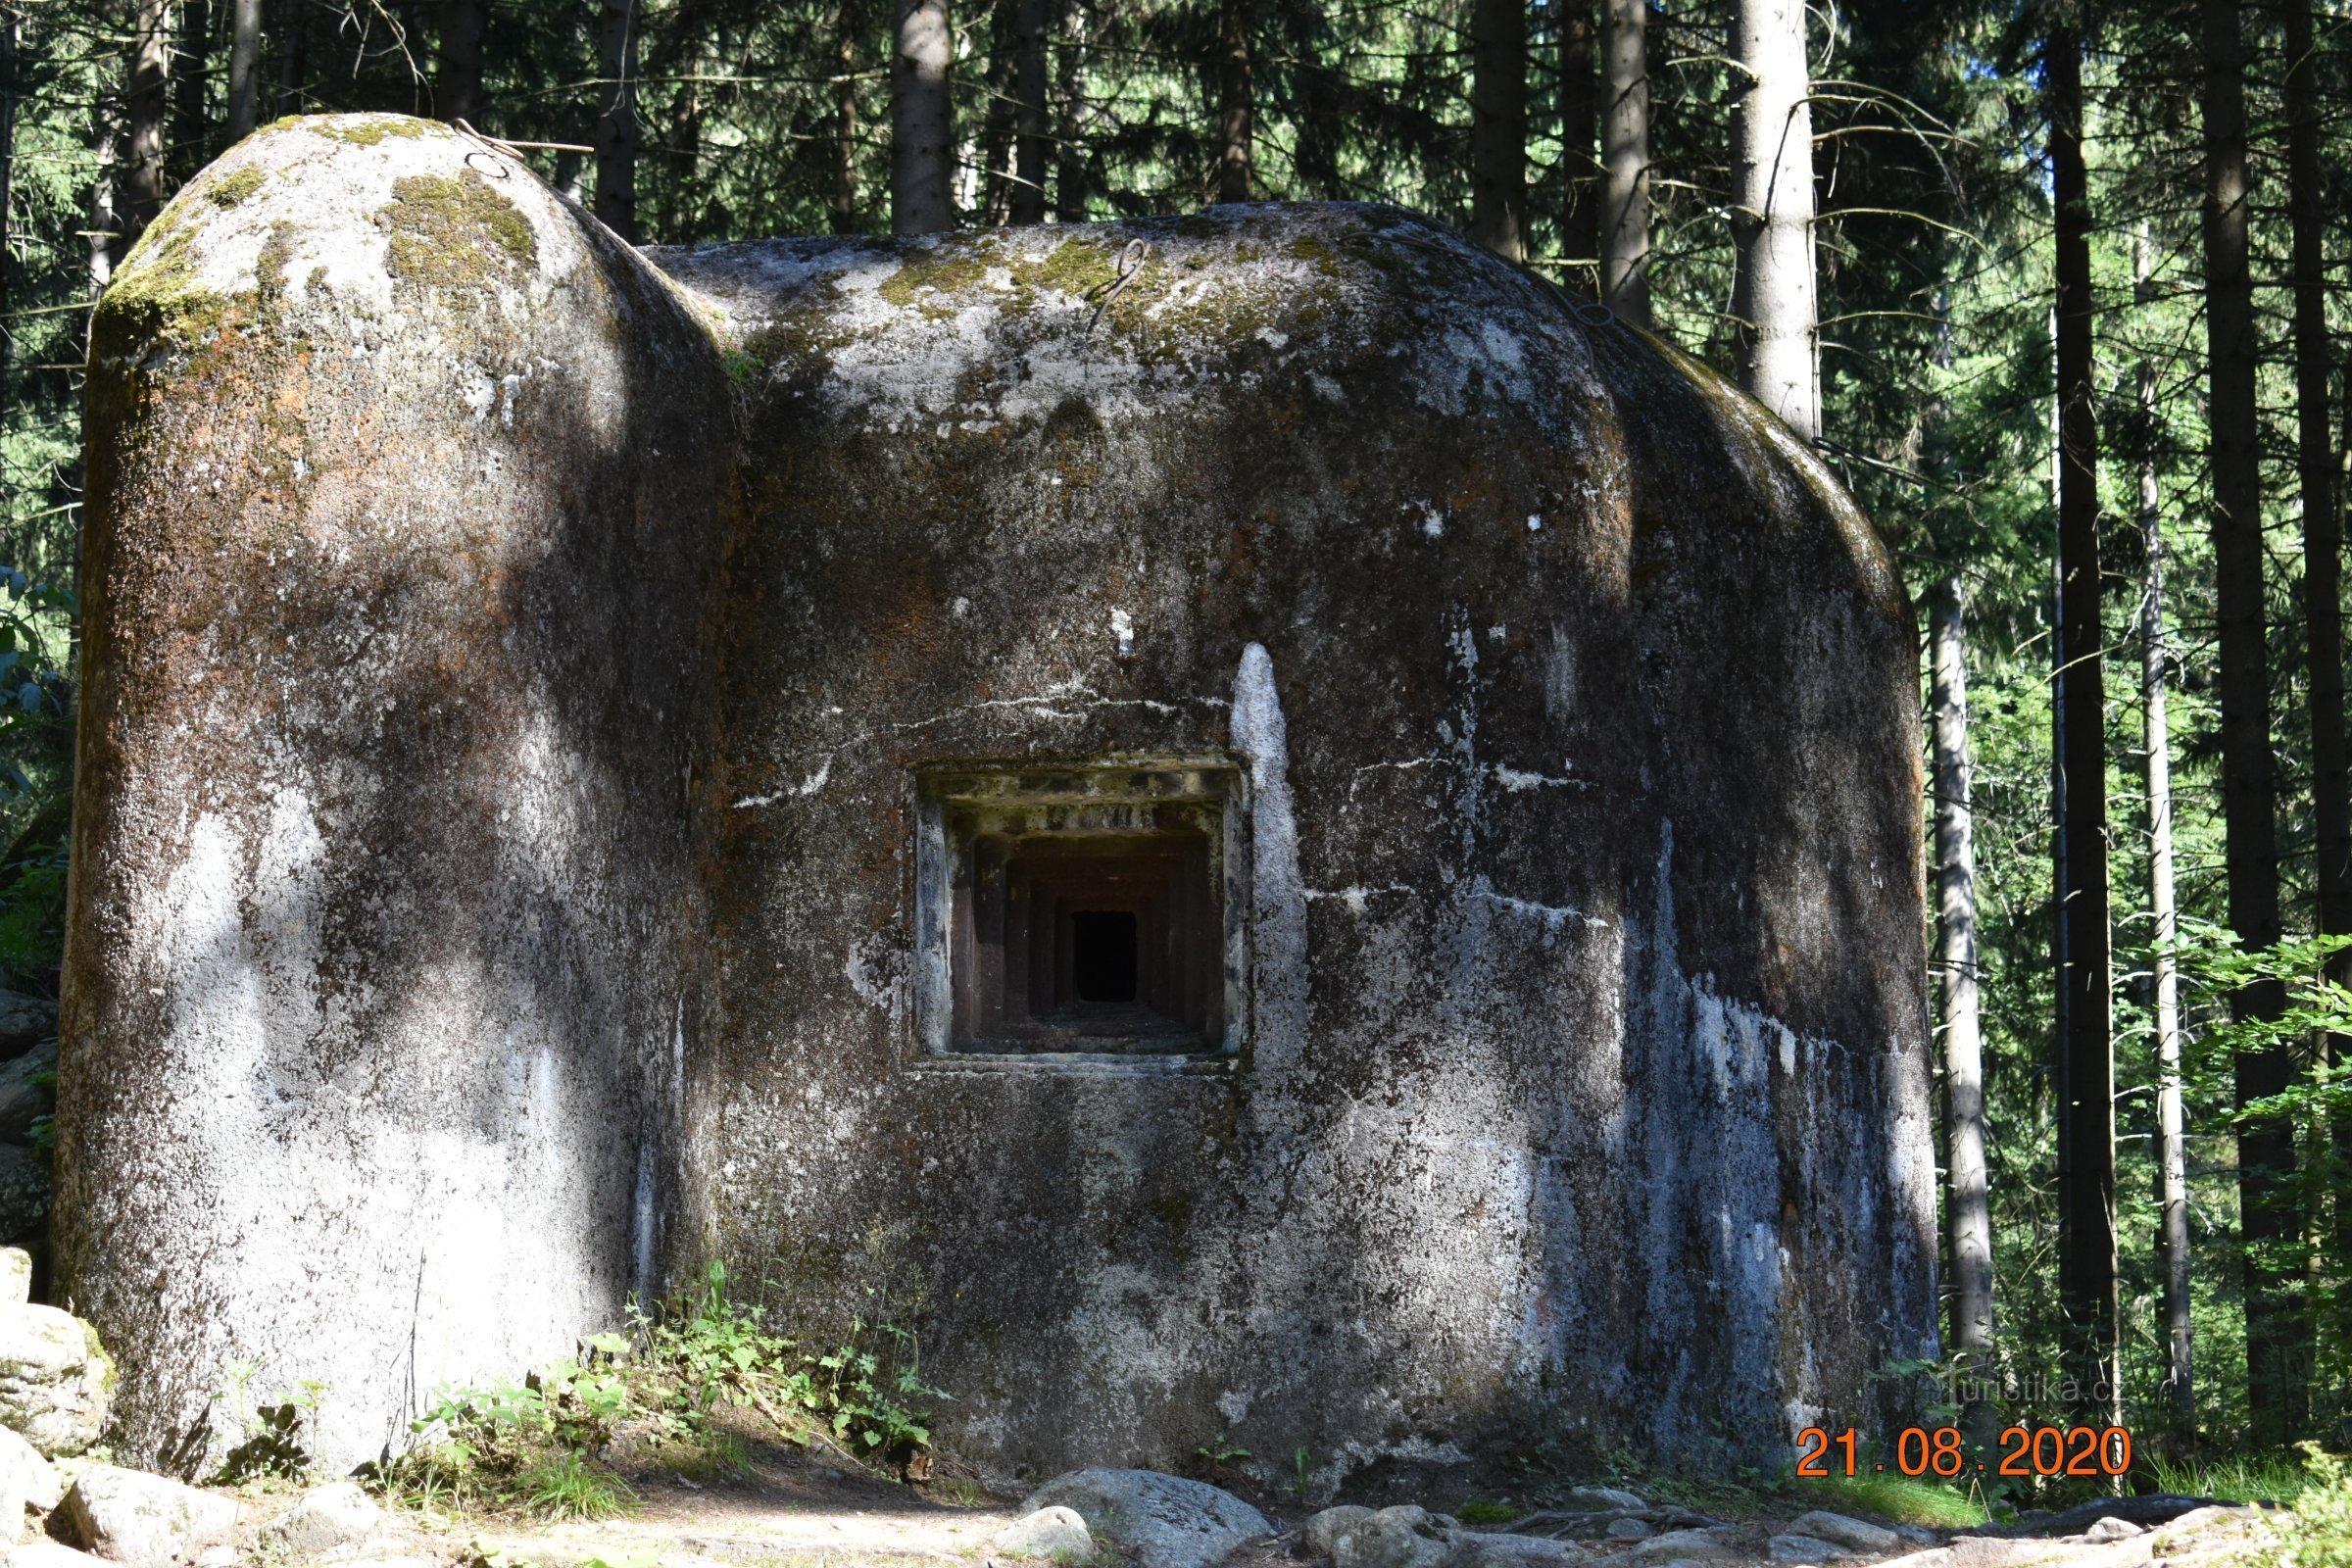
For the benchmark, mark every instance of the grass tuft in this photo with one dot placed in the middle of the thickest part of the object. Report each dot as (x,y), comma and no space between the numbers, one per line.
(1931,1504)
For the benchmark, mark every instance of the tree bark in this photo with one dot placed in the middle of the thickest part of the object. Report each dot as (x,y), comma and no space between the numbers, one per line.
(2086,1253)
(1236,104)
(2276,1372)
(457,62)
(100,215)
(921,129)
(616,132)
(1499,127)
(244,68)
(840,203)
(1625,160)
(145,99)
(1969,1207)
(1069,164)
(996,151)
(2171,1160)
(191,128)
(9,39)
(1032,140)
(1580,119)
(1772,221)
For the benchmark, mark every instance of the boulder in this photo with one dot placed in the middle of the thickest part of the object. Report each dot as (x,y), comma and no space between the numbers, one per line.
(40,1553)
(1169,1522)
(24,1021)
(1685,1545)
(1474,1549)
(1058,1533)
(1323,1530)
(1628,1530)
(1404,1537)
(15,1276)
(1604,1497)
(324,1519)
(1805,1550)
(1844,1531)
(27,1089)
(23,1193)
(37,1479)
(144,1521)
(55,1376)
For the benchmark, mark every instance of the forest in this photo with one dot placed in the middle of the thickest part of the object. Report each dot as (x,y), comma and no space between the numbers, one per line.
(2056,285)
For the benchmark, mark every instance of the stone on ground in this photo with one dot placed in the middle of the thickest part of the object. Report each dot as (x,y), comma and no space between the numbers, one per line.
(2111,1529)
(51,1555)
(1836,1527)
(24,1021)
(55,1378)
(1805,1549)
(15,1276)
(1604,1497)
(1056,1532)
(24,1095)
(1628,1530)
(23,1193)
(1475,1550)
(144,1521)
(1169,1522)
(1685,1545)
(39,1481)
(1323,1530)
(1404,1537)
(324,1519)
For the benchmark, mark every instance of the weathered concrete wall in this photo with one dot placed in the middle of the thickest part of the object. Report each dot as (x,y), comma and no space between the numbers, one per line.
(1584,1084)
(406,481)
(495,851)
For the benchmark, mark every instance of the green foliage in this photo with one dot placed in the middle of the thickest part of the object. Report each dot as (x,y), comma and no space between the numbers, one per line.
(1933,1505)
(1481,1511)
(273,1428)
(2234,1478)
(2319,1533)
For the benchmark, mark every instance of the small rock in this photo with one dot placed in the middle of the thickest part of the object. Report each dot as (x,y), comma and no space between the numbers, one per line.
(1167,1521)
(15,1276)
(218,1558)
(27,1089)
(1845,1532)
(51,1555)
(2109,1529)
(145,1521)
(324,1519)
(1404,1537)
(1056,1533)
(1805,1550)
(54,1378)
(1476,1549)
(1630,1530)
(1917,1536)
(1685,1545)
(43,1490)
(1324,1529)
(24,1021)
(1604,1497)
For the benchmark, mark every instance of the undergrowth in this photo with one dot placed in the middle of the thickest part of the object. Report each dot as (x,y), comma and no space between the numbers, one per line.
(544,1446)
(2319,1533)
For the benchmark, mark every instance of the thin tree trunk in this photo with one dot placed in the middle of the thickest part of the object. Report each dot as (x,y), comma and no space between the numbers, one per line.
(1772,221)
(1625,160)
(996,152)
(1580,119)
(1237,103)
(1969,1206)
(2323,536)
(458,64)
(684,195)
(2172,1161)
(1499,127)
(840,203)
(1032,137)
(293,66)
(921,129)
(100,215)
(244,68)
(2276,1372)
(616,132)
(191,128)
(145,99)
(2086,1253)
(1069,161)
(9,24)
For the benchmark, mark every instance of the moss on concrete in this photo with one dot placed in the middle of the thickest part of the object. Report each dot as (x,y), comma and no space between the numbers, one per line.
(454,234)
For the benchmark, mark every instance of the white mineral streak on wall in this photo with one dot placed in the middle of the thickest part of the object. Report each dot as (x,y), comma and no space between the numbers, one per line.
(1278,895)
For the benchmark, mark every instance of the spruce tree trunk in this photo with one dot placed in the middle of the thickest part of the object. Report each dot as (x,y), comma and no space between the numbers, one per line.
(1499,127)
(1069,163)
(9,24)
(922,132)
(1625,160)
(245,68)
(1772,220)
(617,130)
(1032,140)
(1235,105)
(1968,1205)
(841,202)
(191,126)
(99,218)
(140,185)
(2172,1156)
(2278,1371)
(1580,119)
(2323,536)
(2086,1255)
(457,62)
(997,115)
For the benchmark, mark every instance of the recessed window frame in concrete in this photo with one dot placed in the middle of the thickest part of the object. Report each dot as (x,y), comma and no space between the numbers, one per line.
(1148,817)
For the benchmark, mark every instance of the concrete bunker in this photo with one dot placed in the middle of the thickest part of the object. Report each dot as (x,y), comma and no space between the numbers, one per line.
(1279,815)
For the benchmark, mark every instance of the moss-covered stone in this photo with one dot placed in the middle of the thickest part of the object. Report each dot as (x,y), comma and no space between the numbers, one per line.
(368,132)
(1073,268)
(454,234)
(232,188)
(935,272)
